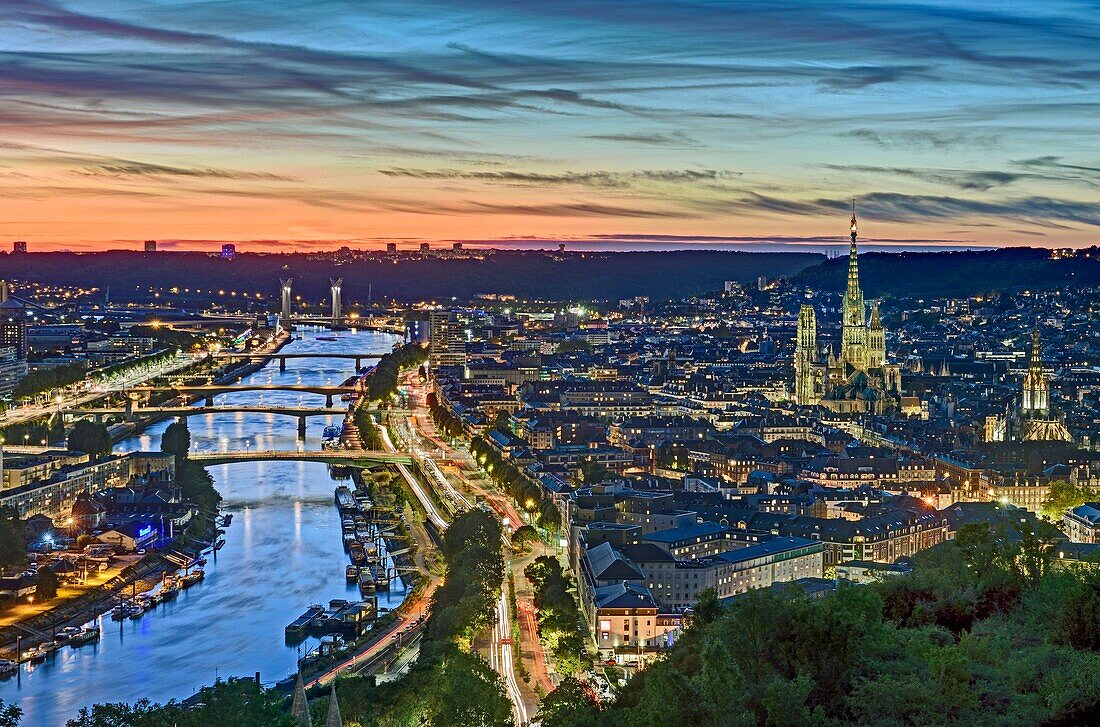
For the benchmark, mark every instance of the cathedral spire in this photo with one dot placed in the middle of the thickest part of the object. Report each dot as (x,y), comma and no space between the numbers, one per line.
(853,261)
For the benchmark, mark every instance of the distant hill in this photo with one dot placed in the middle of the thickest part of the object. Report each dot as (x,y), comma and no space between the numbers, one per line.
(526,274)
(956,274)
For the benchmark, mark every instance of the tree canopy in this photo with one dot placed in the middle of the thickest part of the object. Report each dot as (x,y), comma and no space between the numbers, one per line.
(1014,642)
(90,437)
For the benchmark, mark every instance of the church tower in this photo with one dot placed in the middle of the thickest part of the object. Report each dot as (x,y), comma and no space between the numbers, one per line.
(854,332)
(876,344)
(1036,399)
(805,356)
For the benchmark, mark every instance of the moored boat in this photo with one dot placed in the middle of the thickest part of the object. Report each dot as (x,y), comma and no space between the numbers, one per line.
(87,635)
(351,573)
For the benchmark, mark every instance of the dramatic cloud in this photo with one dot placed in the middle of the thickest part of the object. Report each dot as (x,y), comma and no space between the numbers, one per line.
(430,119)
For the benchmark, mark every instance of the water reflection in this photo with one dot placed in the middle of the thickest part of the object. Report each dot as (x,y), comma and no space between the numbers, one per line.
(282,552)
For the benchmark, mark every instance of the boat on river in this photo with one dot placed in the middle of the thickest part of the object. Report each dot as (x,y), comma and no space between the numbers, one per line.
(193,577)
(345,501)
(351,573)
(300,625)
(87,635)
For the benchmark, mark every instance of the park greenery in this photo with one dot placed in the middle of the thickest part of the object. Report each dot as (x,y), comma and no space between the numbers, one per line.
(448,684)
(382,382)
(558,613)
(447,422)
(195,483)
(984,632)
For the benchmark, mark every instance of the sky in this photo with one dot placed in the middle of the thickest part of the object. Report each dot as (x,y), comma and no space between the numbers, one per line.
(312,124)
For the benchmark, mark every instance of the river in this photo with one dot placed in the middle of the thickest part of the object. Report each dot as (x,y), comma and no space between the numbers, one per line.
(283,552)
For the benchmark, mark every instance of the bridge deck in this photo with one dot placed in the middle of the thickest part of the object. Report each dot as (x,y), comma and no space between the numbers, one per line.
(324,455)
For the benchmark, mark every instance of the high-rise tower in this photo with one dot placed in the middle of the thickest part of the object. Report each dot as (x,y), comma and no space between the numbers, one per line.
(1036,394)
(13,323)
(805,356)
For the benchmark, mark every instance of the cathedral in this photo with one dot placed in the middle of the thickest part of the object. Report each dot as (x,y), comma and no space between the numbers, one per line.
(859,379)
(1036,421)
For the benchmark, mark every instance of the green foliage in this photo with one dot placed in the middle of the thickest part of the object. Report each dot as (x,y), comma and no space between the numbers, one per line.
(30,432)
(382,383)
(232,702)
(1065,496)
(197,486)
(12,550)
(90,438)
(590,472)
(447,422)
(558,612)
(521,489)
(523,537)
(47,585)
(464,605)
(1005,644)
(176,440)
(447,685)
(47,379)
(167,336)
(570,705)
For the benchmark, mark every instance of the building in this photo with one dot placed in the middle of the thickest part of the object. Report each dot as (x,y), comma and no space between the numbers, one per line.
(19,246)
(229,251)
(130,536)
(150,246)
(285,302)
(1082,523)
(13,324)
(860,379)
(675,583)
(867,571)
(446,340)
(391,248)
(12,370)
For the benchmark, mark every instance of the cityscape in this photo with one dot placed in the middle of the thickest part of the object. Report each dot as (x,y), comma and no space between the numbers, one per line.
(512,366)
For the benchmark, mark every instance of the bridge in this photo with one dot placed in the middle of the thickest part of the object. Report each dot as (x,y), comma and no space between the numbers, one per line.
(358,358)
(211,390)
(331,456)
(132,413)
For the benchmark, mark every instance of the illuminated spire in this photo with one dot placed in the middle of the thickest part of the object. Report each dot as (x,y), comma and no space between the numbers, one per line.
(853,264)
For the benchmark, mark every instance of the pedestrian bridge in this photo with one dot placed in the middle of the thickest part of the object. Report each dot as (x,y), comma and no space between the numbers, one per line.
(332,456)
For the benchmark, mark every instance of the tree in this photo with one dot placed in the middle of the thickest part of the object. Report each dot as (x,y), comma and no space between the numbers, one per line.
(524,537)
(10,714)
(176,440)
(1065,496)
(57,427)
(91,438)
(47,586)
(570,705)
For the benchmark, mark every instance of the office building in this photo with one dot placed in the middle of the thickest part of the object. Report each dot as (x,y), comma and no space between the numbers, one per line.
(150,246)
(447,344)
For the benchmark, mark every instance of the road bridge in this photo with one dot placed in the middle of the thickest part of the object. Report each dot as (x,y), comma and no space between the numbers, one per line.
(358,358)
(209,391)
(132,413)
(332,456)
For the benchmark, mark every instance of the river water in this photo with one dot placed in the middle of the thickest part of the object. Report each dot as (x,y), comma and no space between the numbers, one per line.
(283,552)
